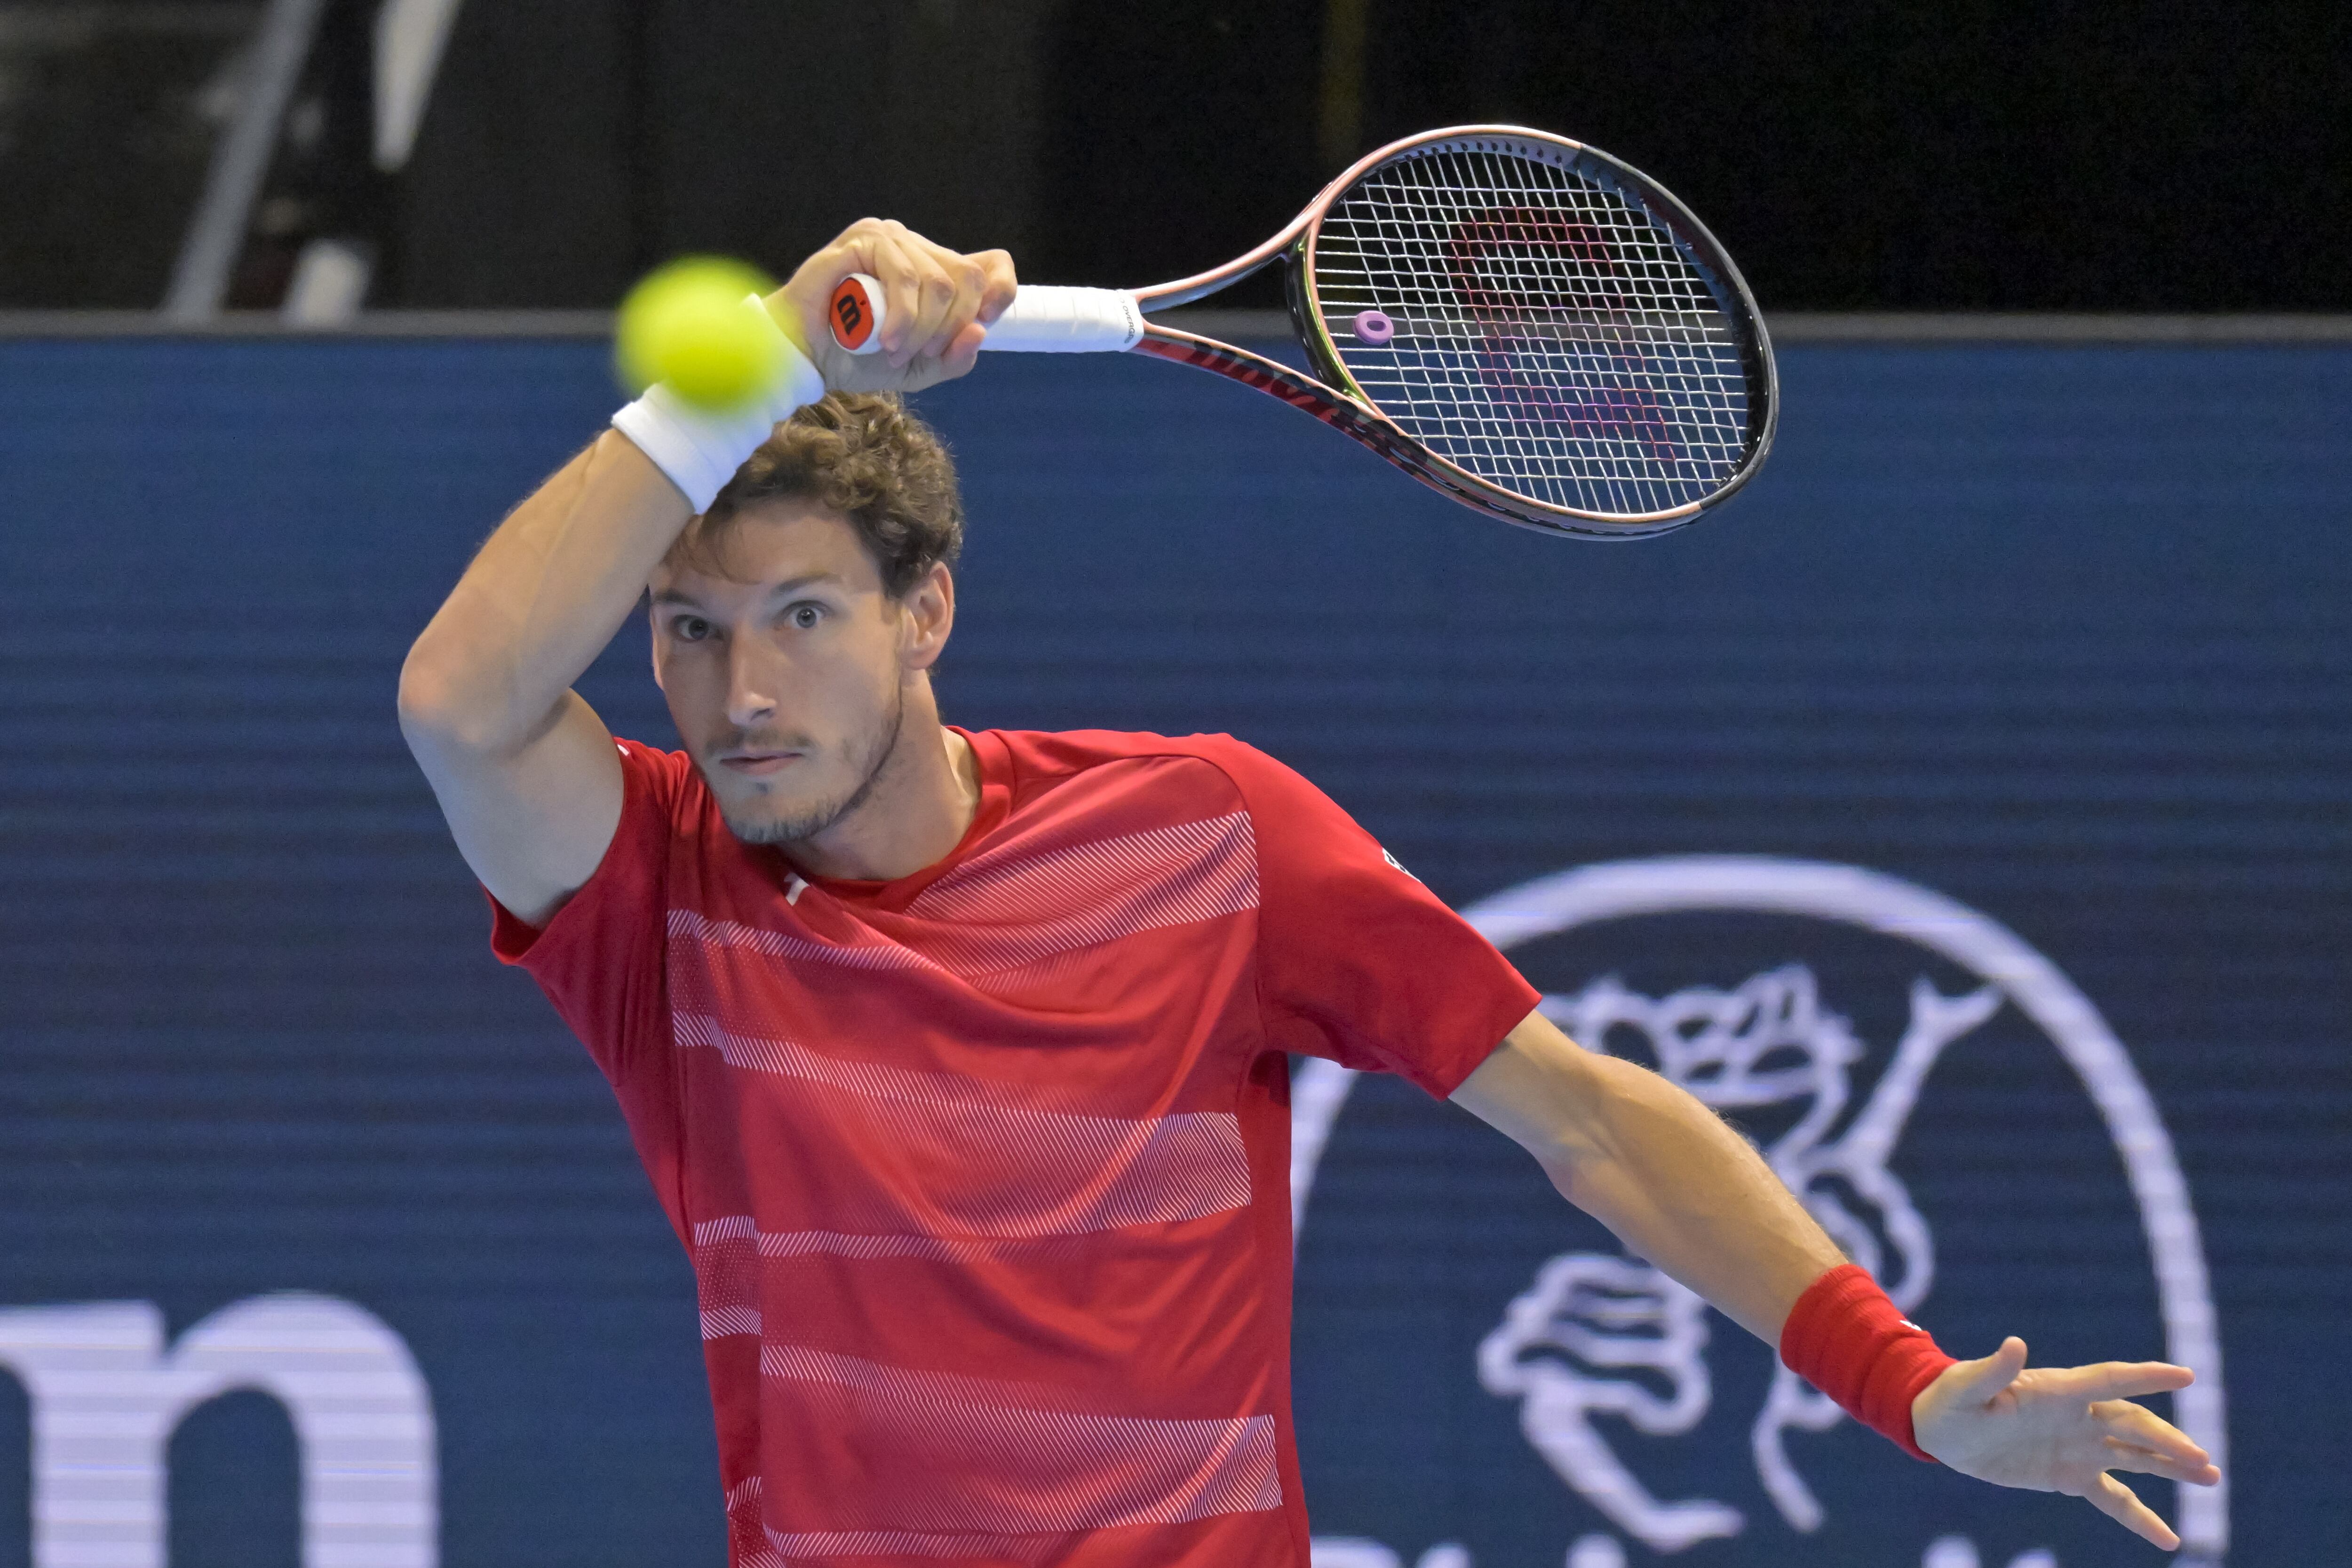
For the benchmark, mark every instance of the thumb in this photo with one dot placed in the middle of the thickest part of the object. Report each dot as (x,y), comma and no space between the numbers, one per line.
(1976,1381)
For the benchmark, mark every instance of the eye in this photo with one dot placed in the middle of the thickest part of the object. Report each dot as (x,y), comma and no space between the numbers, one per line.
(805,617)
(689,628)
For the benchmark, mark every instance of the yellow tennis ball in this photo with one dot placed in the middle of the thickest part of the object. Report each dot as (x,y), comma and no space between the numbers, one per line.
(686,324)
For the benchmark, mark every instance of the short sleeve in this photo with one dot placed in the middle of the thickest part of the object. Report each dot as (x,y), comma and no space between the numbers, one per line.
(602,958)
(1357,960)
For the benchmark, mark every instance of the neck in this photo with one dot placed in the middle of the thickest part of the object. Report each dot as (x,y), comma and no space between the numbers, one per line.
(919,807)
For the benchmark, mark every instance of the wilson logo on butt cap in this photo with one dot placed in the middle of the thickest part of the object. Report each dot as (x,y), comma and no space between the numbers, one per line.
(856,313)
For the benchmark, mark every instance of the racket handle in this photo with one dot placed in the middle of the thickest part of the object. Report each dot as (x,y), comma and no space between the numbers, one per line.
(1043,318)
(1048,319)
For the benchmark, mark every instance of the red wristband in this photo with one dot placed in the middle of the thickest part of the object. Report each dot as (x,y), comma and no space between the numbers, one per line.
(1846,1338)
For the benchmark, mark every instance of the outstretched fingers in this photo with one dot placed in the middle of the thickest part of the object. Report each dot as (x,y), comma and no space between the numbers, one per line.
(2133,1438)
(2198,1472)
(2144,1429)
(2129,1379)
(2118,1502)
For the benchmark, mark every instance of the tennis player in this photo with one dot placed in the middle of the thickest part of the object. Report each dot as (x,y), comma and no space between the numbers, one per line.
(958,1059)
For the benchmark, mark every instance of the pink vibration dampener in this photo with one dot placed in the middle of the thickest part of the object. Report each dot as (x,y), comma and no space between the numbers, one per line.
(1373,327)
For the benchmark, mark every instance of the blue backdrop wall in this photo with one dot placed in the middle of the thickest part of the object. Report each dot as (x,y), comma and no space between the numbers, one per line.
(2057,635)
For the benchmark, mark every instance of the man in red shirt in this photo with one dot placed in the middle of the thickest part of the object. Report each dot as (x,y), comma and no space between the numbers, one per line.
(958,1059)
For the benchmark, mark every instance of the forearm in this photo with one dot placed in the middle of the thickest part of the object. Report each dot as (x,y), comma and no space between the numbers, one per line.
(1659,1169)
(541,599)
(1682,1189)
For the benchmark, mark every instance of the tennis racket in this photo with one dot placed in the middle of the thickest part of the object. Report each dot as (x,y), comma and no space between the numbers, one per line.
(1522,323)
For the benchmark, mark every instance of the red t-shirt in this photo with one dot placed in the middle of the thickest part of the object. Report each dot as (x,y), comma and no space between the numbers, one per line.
(986,1171)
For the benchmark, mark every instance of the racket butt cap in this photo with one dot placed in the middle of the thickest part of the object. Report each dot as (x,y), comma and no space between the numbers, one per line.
(856,313)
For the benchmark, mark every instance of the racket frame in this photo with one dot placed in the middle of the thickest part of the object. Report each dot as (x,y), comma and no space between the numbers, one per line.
(1339,402)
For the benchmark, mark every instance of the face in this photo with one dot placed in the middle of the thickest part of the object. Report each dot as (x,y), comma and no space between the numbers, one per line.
(789,673)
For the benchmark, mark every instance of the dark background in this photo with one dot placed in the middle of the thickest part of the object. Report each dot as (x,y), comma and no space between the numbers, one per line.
(1871,155)
(2060,633)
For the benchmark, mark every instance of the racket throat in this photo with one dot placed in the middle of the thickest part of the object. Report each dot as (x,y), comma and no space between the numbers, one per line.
(1184,290)
(1322,354)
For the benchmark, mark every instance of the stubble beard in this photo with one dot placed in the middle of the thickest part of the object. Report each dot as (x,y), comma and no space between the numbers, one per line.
(811,820)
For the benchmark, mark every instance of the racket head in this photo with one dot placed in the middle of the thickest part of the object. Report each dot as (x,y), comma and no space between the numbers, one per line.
(1558,338)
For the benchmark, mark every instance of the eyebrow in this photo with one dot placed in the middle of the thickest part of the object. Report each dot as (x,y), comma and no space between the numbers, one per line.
(788,586)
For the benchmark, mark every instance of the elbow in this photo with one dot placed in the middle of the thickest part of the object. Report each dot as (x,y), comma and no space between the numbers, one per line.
(1569,1148)
(426,705)
(433,713)
(1569,1167)
(1618,1109)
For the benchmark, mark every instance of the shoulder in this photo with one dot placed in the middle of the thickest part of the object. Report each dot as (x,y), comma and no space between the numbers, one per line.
(1045,753)
(1043,759)
(1142,780)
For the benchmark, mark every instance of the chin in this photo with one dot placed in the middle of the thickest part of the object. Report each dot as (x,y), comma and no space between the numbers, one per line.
(764,820)
(765,828)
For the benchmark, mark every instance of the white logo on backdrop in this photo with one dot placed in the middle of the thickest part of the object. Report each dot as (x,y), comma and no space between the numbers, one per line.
(106,1396)
(1608,1311)
(1566,1347)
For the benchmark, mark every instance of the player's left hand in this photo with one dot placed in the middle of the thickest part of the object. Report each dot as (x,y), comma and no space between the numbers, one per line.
(2062,1429)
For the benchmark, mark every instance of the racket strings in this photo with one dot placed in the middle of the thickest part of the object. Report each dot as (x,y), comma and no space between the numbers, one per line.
(1549,335)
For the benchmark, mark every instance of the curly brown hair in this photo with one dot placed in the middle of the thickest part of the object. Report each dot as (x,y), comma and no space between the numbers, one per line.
(860,454)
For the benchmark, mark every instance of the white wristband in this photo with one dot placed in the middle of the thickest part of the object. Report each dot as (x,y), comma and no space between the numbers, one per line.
(700,450)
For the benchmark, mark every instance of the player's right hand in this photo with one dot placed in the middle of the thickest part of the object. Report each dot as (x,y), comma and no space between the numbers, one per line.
(937,304)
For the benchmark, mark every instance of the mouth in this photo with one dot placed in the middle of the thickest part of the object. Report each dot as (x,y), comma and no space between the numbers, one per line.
(757,763)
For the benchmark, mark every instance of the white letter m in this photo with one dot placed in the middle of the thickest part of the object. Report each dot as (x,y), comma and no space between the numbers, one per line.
(106,1396)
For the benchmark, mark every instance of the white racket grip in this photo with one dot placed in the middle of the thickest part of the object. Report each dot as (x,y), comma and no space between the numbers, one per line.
(1045,319)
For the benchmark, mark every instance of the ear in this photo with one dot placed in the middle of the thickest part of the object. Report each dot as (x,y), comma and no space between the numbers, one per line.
(927,615)
(653,647)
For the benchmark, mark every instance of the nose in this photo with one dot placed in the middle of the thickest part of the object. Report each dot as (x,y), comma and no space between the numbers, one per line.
(752,682)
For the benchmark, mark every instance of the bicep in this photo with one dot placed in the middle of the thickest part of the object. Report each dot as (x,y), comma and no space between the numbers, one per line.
(533,821)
